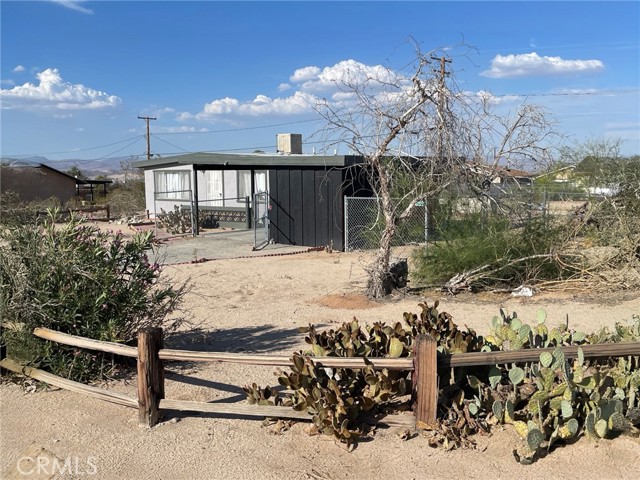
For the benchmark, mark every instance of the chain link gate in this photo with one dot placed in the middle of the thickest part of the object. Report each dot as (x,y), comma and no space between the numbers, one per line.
(364,223)
(260,220)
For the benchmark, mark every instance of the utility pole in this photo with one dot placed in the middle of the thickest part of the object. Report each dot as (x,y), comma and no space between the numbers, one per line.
(146,119)
(440,160)
(441,103)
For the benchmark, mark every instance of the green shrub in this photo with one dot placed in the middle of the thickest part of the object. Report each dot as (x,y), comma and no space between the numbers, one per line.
(477,240)
(76,279)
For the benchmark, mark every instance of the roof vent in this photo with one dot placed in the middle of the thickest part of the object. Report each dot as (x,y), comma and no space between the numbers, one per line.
(289,143)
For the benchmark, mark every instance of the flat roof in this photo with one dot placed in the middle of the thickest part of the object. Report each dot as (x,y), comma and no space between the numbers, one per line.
(246,160)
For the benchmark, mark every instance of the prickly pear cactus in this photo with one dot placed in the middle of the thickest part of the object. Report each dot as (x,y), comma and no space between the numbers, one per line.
(556,399)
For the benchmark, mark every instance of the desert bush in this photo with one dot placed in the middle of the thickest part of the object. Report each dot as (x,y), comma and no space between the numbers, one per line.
(513,256)
(126,198)
(16,212)
(75,279)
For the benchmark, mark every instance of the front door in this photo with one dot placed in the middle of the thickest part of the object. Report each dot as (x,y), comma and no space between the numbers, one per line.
(215,188)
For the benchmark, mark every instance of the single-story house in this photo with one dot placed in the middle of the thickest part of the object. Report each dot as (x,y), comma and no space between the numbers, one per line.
(36,181)
(305,202)
(511,177)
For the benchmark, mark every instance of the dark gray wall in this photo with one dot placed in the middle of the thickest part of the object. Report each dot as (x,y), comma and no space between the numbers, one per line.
(307,207)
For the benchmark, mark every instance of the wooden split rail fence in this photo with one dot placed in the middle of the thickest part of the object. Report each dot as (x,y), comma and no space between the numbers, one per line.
(150,353)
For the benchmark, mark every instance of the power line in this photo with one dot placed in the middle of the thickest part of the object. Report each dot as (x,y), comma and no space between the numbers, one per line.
(137,137)
(239,129)
(109,154)
(169,143)
(220,151)
(566,94)
(117,151)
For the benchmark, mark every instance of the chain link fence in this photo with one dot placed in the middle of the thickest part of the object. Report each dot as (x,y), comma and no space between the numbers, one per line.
(364,221)
(552,203)
(364,224)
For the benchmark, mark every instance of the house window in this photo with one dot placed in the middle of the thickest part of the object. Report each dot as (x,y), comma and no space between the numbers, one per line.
(172,185)
(244,183)
(261,181)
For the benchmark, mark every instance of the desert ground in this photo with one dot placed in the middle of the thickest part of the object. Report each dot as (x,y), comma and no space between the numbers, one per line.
(257,305)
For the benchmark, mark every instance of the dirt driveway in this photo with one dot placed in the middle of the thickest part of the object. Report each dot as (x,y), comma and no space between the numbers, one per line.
(217,245)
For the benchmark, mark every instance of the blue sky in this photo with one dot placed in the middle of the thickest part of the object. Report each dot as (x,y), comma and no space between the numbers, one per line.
(228,76)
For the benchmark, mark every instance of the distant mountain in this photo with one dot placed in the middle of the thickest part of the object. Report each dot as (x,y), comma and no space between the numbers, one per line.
(92,168)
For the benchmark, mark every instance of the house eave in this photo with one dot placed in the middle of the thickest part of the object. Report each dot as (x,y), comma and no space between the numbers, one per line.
(241,161)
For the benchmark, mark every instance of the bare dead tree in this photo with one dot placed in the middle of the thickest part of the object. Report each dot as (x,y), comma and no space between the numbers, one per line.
(418,134)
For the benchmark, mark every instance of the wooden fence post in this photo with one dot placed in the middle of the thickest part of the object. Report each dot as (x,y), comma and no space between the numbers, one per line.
(150,376)
(425,380)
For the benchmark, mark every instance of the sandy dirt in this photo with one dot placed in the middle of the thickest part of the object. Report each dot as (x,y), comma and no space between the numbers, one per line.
(257,305)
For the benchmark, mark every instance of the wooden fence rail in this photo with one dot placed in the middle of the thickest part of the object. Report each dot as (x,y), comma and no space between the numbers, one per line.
(602,350)
(243,410)
(150,354)
(243,358)
(56,381)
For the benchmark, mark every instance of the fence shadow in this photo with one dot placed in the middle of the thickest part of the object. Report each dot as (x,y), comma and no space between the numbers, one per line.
(256,339)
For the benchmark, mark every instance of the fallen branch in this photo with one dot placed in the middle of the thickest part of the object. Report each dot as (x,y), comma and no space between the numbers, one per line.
(465,280)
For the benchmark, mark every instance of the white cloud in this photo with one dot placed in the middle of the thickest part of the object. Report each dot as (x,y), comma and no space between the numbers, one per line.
(314,79)
(8,82)
(532,64)
(343,96)
(220,107)
(299,102)
(304,74)
(490,98)
(79,129)
(18,69)
(310,83)
(74,5)
(159,112)
(54,93)
(184,116)
(180,129)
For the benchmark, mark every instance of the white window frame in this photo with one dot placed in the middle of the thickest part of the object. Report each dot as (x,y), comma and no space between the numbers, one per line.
(178,188)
